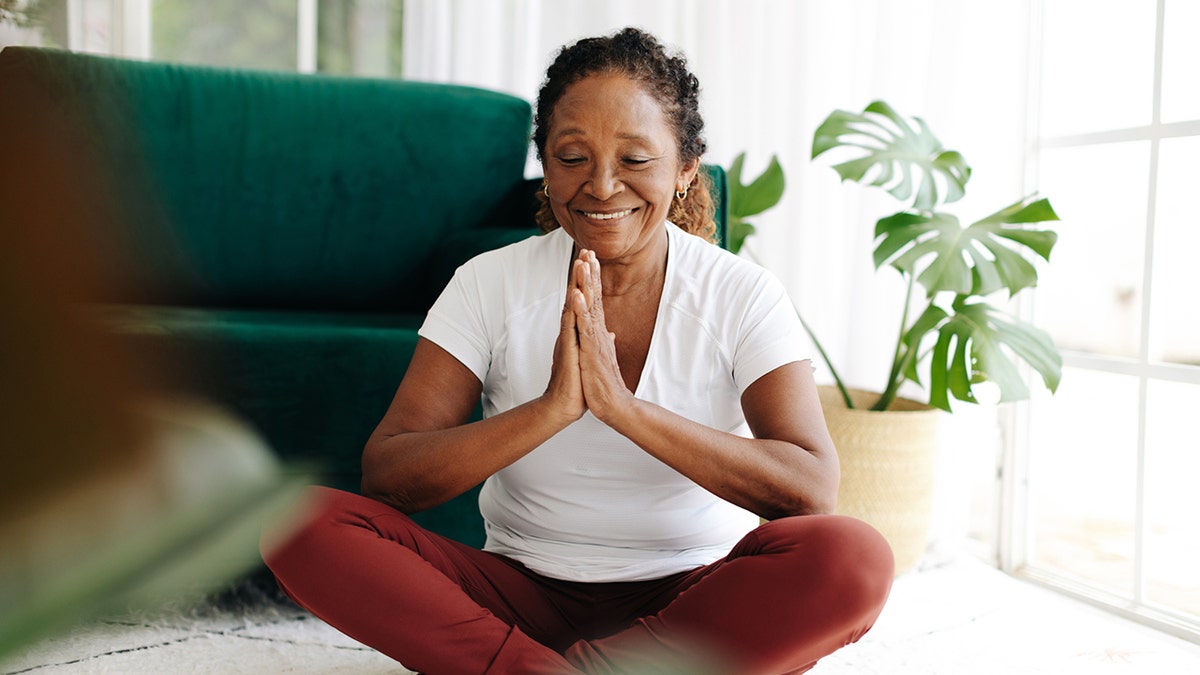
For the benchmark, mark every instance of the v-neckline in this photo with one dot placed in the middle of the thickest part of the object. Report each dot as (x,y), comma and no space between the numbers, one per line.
(662,299)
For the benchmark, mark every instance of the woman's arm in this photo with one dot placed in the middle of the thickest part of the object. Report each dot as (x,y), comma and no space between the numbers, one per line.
(789,468)
(423,452)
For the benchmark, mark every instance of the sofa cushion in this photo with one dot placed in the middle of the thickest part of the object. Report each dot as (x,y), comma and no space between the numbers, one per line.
(314,385)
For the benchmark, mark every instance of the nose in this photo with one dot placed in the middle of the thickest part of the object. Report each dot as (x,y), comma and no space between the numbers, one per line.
(604,182)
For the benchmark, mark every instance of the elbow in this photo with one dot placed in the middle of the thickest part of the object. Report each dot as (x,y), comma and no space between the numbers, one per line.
(814,497)
(376,483)
(824,499)
(825,505)
(372,488)
(397,499)
(808,505)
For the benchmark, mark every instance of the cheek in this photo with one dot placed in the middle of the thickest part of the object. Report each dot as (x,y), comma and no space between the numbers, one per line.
(661,192)
(562,214)
(562,184)
(553,188)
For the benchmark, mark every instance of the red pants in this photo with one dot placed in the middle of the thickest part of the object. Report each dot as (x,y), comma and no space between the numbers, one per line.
(791,592)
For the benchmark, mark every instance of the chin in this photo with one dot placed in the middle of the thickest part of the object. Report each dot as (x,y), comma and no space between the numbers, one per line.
(610,243)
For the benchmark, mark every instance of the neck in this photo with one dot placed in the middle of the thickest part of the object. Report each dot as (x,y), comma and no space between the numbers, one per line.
(644,270)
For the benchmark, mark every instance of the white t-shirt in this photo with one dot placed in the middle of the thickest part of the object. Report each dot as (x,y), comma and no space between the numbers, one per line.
(588,504)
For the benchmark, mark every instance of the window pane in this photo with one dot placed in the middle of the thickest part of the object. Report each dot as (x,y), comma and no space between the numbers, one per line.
(97,25)
(1090,295)
(1176,320)
(1097,65)
(360,37)
(1181,61)
(1172,500)
(41,24)
(241,33)
(1083,472)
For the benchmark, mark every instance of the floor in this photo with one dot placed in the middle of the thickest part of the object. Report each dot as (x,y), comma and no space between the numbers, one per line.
(954,616)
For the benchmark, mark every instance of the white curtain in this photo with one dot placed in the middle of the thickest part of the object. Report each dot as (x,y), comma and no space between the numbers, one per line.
(771,70)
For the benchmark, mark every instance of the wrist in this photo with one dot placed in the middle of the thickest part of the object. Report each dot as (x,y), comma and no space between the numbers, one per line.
(619,412)
(555,412)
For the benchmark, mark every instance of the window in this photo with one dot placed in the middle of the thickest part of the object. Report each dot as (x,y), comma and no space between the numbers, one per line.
(347,37)
(351,37)
(252,33)
(1110,462)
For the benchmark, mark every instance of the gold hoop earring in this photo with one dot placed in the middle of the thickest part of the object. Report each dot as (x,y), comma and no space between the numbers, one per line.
(682,195)
(546,190)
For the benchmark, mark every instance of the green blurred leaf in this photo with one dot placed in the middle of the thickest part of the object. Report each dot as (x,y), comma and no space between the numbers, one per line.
(734,172)
(760,194)
(746,200)
(901,155)
(739,230)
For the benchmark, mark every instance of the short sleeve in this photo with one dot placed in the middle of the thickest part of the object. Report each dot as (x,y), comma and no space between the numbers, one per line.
(770,334)
(457,322)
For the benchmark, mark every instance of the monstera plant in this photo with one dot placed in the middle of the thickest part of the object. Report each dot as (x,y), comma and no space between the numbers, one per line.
(959,336)
(953,338)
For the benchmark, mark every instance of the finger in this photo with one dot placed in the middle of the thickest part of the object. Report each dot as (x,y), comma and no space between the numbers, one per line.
(579,305)
(592,284)
(567,320)
(579,279)
(594,268)
(576,272)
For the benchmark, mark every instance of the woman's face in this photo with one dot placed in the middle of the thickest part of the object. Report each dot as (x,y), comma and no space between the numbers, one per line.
(612,165)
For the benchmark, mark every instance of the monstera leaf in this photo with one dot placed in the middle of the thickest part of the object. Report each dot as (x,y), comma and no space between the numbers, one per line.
(901,155)
(985,257)
(973,344)
(746,200)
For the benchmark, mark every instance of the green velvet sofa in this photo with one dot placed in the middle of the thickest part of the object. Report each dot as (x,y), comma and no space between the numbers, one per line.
(273,240)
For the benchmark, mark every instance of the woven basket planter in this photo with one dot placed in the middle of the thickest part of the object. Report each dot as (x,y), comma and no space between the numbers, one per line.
(888,462)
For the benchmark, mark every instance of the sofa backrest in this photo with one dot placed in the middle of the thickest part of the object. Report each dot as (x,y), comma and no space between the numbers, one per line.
(238,188)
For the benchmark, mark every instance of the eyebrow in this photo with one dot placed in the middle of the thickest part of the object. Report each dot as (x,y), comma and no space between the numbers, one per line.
(625,136)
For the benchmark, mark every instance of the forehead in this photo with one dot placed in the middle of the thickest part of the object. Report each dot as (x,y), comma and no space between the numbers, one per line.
(611,105)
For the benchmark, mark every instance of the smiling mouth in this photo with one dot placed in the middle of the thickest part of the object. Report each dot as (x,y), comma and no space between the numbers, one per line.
(607,216)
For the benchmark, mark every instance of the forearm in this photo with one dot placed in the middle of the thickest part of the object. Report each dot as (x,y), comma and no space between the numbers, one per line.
(416,470)
(771,478)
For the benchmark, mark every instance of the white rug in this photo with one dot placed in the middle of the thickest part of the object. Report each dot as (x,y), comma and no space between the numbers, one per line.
(959,618)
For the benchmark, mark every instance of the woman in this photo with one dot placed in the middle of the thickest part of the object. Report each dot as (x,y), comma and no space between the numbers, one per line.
(647,401)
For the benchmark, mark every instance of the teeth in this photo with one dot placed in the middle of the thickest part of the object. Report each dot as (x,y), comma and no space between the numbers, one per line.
(608,216)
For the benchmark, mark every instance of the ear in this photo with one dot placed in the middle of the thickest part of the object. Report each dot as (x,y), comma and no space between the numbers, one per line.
(688,173)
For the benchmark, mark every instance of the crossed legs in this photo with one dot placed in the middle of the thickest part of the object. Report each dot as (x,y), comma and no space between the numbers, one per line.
(791,592)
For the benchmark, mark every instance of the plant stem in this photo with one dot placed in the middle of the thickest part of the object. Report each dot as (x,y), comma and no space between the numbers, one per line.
(812,336)
(900,357)
(828,364)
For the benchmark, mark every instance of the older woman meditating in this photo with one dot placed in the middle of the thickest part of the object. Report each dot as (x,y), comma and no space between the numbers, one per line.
(648,401)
